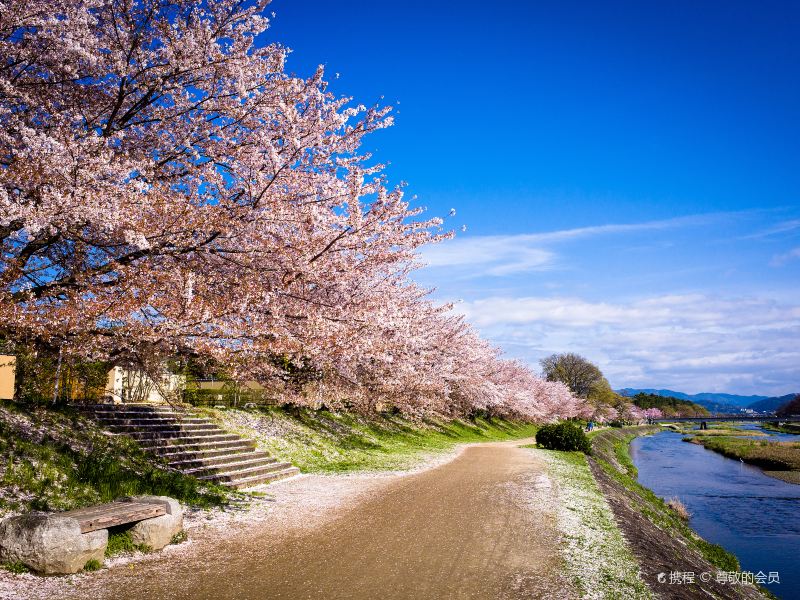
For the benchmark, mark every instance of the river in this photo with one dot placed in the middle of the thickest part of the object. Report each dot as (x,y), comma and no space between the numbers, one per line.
(732,504)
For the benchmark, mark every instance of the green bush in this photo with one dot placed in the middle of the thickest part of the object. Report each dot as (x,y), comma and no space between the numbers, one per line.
(179,537)
(92,565)
(15,567)
(121,542)
(563,436)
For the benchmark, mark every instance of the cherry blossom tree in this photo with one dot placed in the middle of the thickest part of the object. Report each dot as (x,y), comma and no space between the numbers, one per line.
(653,413)
(167,188)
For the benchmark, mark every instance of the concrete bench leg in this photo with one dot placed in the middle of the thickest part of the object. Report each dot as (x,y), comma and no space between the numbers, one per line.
(50,544)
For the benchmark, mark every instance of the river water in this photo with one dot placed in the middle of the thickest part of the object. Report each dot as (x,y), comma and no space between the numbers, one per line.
(732,504)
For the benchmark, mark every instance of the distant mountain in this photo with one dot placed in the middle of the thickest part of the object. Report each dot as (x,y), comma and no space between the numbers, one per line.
(790,408)
(713,402)
(771,404)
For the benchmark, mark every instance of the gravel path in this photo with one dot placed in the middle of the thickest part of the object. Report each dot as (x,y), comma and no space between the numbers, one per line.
(464,529)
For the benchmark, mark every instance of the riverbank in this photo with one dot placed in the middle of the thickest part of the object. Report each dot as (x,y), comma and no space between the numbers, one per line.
(56,459)
(658,536)
(579,523)
(597,558)
(777,459)
(718,428)
(790,428)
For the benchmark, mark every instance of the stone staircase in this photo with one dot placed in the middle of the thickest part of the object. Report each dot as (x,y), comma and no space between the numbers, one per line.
(192,444)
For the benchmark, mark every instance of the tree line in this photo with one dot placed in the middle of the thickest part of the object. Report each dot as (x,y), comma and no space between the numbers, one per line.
(168,190)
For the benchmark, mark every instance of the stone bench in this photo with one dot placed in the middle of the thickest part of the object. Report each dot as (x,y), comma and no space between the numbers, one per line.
(62,543)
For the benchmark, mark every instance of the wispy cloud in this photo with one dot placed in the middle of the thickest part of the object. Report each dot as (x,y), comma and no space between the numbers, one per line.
(495,255)
(777,229)
(644,300)
(781,259)
(500,255)
(690,342)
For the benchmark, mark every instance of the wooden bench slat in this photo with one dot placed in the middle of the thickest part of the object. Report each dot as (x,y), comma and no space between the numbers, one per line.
(103,516)
(116,507)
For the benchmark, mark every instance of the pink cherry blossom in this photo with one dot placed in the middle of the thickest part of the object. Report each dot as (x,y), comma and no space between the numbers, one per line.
(168,188)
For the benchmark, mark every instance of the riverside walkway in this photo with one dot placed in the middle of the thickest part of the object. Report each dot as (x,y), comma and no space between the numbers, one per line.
(461,530)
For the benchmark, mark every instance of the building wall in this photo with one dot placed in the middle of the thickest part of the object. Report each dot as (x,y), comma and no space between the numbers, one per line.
(133,385)
(8,367)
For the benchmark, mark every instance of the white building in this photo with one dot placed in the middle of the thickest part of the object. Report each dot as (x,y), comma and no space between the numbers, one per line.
(134,385)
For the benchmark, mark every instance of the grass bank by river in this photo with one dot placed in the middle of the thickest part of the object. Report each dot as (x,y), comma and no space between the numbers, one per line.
(792,428)
(778,459)
(660,539)
(597,558)
(721,428)
(320,441)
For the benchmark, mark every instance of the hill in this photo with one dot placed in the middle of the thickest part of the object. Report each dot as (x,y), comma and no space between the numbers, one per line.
(771,404)
(790,408)
(669,405)
(712,401)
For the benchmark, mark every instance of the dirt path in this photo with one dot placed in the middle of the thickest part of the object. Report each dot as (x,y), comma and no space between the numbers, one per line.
(466,529)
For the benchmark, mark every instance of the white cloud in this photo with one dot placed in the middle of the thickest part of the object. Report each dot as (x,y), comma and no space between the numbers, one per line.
(689,342)
(777,229)
(496,255)
(500,255)
(781,259)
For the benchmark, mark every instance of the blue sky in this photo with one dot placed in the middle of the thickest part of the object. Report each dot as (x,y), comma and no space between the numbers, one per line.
(629,174)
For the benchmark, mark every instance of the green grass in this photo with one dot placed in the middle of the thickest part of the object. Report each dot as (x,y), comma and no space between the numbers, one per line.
(793,428)
(92,565)
(598,559)
(721,428)
(612,454)
(121,542)
(769,454)
(321,441)
(179,537)
(56,460)
(15,567)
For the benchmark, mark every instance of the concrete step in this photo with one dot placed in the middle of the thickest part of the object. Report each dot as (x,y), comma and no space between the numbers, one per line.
(142,413)
(192,444)
(166,428)
(241,472)
(206,453)
(149,440)
(142,436)
(247,482)
(234,466)
(116,420)
(167,450)
(102,419)
(213,462)
(139,408)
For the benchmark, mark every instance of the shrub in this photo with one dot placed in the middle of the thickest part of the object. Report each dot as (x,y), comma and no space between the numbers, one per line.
(179,537)
(92,565)
(121,542)
(563,436)
(16,567)
(679,507)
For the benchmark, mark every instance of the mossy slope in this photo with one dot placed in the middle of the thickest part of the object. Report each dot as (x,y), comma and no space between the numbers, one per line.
(57,460)
(321,441)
